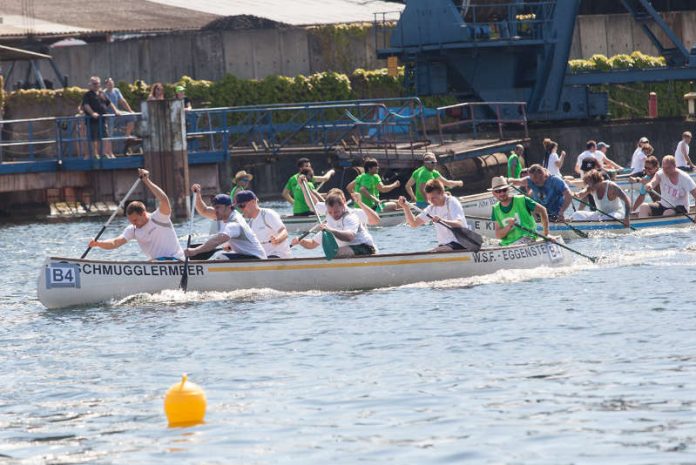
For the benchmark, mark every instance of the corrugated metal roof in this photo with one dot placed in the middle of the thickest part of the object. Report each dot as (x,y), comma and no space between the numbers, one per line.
(296,12)
(62,17)
(18,24)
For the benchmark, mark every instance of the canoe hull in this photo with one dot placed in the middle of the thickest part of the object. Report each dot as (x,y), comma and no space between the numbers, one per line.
(65,282)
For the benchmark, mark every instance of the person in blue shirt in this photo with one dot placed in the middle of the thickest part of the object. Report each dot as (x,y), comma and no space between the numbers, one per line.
(550,191)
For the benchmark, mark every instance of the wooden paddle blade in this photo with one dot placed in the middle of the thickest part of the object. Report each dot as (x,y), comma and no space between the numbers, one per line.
(183,285)
(329,244)
(471,240)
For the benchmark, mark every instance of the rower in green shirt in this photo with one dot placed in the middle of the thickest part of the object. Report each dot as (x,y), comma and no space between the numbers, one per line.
(515,162)
(424,174)
(515,209)
(369,185)
(241,182)
(291,192)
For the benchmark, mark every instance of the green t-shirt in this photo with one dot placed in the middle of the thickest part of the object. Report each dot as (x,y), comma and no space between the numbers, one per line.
(421,176)
(292,182)
(370,183)
(300,205)
(521,209)
(518,167)
(234,190)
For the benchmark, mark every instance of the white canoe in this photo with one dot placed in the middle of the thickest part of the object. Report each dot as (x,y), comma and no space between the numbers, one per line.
(478,204)
(486,227)
(66,282)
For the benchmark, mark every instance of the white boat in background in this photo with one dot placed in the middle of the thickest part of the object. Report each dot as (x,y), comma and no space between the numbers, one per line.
(67,282)
(478,204)
(486,227)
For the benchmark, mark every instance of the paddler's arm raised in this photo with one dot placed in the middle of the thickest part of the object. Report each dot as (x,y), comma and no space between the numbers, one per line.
(409,189)
(543,214)
(287,196)
(373,218)
(448,183)
(108,244)
(201,207)
(324,177)
(165,207)
(210,244)
(408,214)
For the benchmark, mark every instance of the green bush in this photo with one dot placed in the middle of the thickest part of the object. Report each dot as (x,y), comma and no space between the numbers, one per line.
(602,63)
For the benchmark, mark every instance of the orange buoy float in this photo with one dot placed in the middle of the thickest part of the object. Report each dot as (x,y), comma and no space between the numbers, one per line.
(185,403)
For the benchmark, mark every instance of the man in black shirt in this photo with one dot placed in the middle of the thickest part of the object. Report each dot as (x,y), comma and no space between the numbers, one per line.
(95,104)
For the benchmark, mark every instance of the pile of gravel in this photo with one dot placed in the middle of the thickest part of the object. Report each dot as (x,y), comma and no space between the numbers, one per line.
(242,22)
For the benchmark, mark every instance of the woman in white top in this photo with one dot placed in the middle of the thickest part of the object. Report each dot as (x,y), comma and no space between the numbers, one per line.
(555,162)
(682,153)
(639,156)
(608,197)
(444,210)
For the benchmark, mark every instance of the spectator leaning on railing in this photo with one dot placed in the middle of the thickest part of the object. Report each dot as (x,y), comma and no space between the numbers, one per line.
(114,94)
(95,104)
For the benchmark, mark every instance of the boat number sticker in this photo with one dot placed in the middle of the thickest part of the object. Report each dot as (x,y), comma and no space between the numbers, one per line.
(555,252)
(62,275)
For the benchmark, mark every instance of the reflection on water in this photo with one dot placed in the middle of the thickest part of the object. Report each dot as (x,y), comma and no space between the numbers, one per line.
(584,364)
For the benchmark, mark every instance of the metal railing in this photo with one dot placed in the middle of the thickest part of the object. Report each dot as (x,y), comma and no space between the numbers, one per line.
(272,128)
(67,137)
(474,114)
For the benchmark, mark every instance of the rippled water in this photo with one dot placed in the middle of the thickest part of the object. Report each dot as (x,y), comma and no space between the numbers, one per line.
(587,364)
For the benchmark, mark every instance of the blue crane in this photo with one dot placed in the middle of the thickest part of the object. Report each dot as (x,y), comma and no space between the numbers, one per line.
(518,51)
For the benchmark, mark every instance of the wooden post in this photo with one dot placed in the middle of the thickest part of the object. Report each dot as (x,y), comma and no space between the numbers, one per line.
(166,157)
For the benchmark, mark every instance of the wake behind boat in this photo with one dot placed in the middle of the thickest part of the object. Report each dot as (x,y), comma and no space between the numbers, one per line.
(66,282)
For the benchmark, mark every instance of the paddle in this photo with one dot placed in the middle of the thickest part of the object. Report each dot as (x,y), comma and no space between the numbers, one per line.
(466,237)
(121,206)
(183,285)
(328,241)
(603,213)
(549,239)
(580,233)
(306,233)
(652,192)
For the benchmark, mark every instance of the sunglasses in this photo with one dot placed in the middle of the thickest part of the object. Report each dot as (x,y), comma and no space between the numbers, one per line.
(500,191)
(431,162)
(244,179)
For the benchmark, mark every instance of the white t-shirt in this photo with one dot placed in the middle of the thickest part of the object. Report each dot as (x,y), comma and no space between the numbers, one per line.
(157,238)
(321,209)
(638,161)
(553,169)
(451,210)
(597,155)
(675,194)
(242,239)
(350,221)
(266,224)
(682,147)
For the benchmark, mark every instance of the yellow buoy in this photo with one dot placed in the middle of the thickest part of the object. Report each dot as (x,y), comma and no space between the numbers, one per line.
(185,403)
